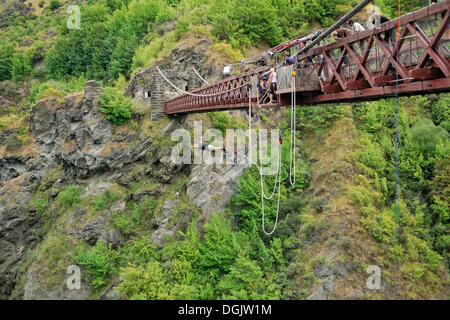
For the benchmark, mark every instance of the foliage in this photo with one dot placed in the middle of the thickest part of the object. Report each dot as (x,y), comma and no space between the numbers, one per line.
(220,121)
(99,260)
(54,4)
(117,108)
(69,196)
(6,54)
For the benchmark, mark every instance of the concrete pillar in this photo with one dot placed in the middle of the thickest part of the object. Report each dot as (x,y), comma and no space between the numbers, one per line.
(92,91)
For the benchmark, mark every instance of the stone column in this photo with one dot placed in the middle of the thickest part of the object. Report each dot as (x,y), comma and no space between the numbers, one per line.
(157,100)
(92,91)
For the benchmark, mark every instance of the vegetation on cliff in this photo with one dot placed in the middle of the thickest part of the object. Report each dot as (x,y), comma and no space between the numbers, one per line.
(334,222)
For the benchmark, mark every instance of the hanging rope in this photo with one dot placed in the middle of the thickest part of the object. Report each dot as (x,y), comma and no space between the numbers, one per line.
(198,95)
(250,162)
(250,127)
(198,74)
(292,157)
(396,166)
(279,184)
(276,177)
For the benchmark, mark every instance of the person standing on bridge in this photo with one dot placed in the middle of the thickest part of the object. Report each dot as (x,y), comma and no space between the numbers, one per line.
(273,84)
(357,27)
(378,20)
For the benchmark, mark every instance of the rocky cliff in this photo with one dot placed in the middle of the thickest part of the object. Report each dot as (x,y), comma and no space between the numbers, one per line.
(73,145)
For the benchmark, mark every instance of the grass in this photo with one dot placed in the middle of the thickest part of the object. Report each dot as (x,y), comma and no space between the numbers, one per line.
(52,259)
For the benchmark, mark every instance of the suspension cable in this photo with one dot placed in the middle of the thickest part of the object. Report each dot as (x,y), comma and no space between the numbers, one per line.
(199,95)
(198,74)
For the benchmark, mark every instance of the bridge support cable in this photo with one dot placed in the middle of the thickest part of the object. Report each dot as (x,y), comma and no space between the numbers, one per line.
(198,74)
(199,95)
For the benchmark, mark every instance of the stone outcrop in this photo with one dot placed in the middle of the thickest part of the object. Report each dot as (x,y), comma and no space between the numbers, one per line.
(149,87)
(211,187)
(74,137)
(70,133)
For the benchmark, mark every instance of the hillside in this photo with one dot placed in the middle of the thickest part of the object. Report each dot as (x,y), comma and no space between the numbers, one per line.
(86,176)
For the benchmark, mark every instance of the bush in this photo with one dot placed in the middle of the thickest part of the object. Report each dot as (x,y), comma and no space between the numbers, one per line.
(69,196)
(100,262)
(220,120)
(117,108)
(54,4)
(6,53)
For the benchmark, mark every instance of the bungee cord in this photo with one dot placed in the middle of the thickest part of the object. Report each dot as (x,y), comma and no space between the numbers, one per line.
(292,157)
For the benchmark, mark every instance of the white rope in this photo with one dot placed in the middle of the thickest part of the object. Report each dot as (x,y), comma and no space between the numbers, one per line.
(262,192)
(293,129)
(278,177)
(198,95)
(263,196)
(198,74)
(278,202)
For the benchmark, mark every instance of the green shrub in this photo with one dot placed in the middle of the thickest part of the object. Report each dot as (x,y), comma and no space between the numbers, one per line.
(100,261)
(117,108)
(104,200)
(69,195)
(6,53)
(41,205)
(220,120)
(144,282)
(54,4)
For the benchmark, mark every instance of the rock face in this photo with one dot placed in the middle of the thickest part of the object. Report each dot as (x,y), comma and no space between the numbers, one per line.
(210,187)
(11,94)
(70,133)
(72,136)
(75,134)
(35,291)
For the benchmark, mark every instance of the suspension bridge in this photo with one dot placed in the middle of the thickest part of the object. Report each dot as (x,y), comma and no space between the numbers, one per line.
(361,67)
